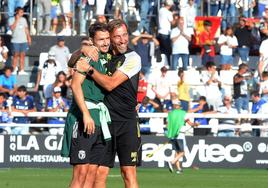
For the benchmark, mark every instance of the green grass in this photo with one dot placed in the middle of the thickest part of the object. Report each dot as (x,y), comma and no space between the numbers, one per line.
(148,178)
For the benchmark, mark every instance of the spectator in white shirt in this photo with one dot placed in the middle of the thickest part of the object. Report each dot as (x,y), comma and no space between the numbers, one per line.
(62,53)
(165,21)
(162,89)
(189,12)
(47,72)
(180,44)
(227,43)
(226,126)
(212,83)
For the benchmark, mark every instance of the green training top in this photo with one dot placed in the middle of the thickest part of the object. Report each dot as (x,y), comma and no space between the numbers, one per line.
(92,91)
(175,122)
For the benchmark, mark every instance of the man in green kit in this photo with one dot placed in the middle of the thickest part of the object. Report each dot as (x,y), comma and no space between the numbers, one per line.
(176,133)
(86,128)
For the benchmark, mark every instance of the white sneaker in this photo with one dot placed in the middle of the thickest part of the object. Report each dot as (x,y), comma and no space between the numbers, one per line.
(65,32)
(68,32)
(83,34)
(170,167)
(73,32)
(15,71)
(136,33)
(9,32)
(22,72)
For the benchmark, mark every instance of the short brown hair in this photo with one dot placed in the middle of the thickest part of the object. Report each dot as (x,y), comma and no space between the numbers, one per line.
(264,74)
(93,28)
(242,66)
(116,24)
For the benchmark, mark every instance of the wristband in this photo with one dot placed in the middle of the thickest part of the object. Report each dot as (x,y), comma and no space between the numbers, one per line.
(90,70)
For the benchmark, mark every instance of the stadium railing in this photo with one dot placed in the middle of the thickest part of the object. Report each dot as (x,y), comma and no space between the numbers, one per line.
(141,115)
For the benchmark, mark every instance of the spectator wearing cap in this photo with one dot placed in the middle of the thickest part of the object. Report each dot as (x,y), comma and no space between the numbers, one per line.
(47,72)
(23,103)
(165,21)
(8,82)
(162,89)
(243,35)
(226,126)
(57,104)
(62,53)
(20,40)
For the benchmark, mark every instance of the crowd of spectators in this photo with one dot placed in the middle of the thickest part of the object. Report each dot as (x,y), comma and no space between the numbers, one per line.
(51,92)
(170,32)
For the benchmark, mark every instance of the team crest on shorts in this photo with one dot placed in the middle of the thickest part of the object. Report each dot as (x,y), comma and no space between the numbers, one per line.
(81,154)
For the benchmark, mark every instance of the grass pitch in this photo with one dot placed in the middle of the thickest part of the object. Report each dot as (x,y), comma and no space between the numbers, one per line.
(148,178)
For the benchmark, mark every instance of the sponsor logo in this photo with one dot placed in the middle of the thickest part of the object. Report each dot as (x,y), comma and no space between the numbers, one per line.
(214,153)
(263,147)
(23,143)
(247,146)
(81,154)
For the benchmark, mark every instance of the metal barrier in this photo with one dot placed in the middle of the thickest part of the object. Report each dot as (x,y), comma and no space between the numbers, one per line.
(141,115)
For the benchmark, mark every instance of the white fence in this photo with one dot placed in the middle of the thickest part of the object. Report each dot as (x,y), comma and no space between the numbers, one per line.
(158,116)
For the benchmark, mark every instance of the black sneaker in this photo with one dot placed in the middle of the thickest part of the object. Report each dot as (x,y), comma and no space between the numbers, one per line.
(179,171)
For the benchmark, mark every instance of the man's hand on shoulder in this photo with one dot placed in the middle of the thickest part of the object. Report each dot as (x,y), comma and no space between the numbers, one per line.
(82,65)
(91,51)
